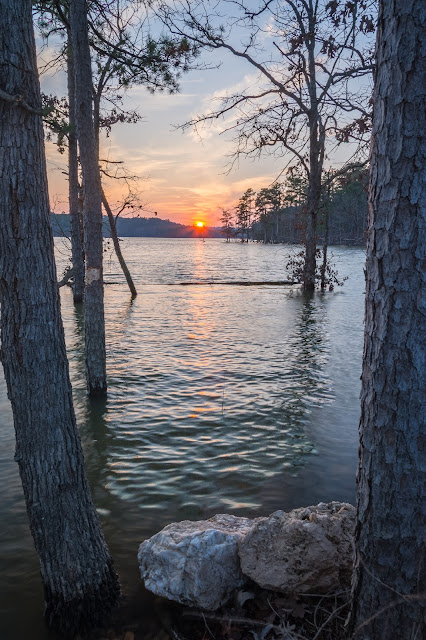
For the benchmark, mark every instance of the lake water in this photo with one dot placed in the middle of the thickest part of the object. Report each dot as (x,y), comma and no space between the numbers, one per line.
(238,399)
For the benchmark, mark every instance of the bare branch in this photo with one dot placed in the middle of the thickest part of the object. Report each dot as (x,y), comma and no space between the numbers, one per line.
(341,172)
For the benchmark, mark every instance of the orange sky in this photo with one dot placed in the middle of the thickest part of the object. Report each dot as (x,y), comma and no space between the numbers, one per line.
(183,176)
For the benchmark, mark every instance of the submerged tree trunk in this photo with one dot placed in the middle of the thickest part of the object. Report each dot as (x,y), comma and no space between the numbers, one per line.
(73,188)
(80,585)
(389,589)
(316,153)
(326,240)
(111,218)
(324,254)
(94,321)
(310,243)
(117,247)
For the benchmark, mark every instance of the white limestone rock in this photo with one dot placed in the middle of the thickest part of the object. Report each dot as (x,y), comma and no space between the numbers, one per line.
(195,563)
(307,550)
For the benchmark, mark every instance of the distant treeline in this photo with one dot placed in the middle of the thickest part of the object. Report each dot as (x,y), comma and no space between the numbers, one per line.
(277,213)
(140,227)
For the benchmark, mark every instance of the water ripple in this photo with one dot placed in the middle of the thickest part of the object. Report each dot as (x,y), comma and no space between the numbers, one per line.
(217,396)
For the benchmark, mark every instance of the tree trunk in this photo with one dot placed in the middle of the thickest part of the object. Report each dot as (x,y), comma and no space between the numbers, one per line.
(111,218)
(310,248)
(73,188)
(324,254)
(80,585)
(312,205)
(94,322)
(326,239)
(316,153)
(117,247)
(389,588)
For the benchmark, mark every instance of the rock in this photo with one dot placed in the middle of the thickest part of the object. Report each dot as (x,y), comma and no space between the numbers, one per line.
(200,564)
(307,550)
(195,563)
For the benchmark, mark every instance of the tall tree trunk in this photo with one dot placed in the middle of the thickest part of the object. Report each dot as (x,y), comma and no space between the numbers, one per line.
(111,218)
(94,321)
(324,253)
(117,247)
(73,188)
(80,585)
(326,239)
(315,164)
(389,588)
(312,205)
(310,246)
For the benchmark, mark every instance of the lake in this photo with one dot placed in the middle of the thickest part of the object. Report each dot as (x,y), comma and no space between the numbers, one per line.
(222,398)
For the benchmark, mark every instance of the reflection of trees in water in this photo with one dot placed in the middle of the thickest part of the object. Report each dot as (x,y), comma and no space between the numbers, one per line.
(291,383)
(93,417)
(311,336)
(122,313)
(78,347)
(90,413)
(119,329)
(305,384)
(96,440)
(118,317)
(119,519)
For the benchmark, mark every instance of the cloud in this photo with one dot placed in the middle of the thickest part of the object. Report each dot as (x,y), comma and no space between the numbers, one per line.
(182,175)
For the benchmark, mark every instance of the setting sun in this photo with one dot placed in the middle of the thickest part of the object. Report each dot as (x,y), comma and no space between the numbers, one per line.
(200,224)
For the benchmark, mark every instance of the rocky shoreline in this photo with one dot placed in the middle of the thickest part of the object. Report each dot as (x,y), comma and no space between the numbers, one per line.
(283,576)
(203,563)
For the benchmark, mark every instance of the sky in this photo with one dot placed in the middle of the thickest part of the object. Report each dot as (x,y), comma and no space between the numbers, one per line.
(183,176)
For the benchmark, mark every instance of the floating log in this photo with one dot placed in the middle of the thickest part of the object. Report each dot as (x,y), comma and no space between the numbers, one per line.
(241,283)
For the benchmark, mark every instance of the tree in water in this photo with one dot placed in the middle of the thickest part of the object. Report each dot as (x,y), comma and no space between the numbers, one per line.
(123,55)
(80,585)
(94,319)
(227,220)
(244,213)
(269,205)
(389,587)
(313,65)
(74,187)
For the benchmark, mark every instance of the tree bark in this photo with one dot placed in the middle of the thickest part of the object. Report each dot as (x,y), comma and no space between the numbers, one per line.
(80,585)
(94,321)
(324,253)
(389,587)
(73,188)
(326,238)
(314,192)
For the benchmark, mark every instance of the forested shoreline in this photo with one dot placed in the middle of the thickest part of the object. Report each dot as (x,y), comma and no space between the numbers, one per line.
(278,213)
(139,227)
(273,215)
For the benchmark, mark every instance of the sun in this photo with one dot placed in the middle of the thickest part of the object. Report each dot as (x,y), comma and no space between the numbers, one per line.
(199,224)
